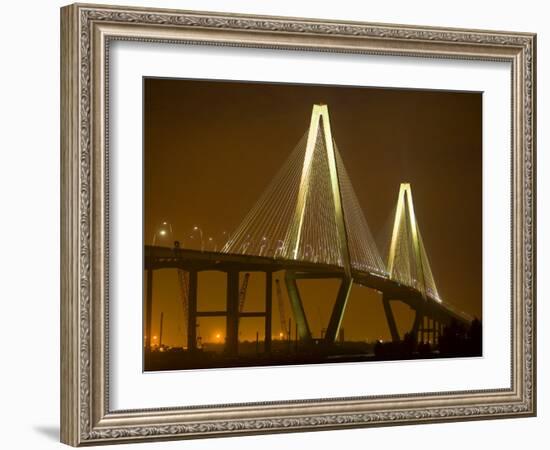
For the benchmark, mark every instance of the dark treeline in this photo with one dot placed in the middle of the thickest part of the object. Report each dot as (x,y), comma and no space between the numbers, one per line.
(457,339)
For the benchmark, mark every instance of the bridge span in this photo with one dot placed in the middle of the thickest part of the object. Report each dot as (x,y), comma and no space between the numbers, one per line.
(430,314)
(310,224)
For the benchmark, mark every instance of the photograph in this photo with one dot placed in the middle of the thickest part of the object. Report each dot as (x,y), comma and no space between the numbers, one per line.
(289,224)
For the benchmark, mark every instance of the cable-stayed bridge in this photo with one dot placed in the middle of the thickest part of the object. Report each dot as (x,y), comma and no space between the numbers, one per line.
(309,223)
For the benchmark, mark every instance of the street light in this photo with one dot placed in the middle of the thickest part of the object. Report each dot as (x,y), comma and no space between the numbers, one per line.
(244,247)
(265,242)
(196,228)
(224,239)
(163,232)
(279,247)
(212,242)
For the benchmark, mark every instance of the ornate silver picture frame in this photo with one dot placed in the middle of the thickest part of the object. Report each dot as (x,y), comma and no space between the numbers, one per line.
(87,33)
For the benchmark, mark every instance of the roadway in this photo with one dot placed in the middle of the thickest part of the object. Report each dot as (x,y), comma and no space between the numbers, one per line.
(156,258)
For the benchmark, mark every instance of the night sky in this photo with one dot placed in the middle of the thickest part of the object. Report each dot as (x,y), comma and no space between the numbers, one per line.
(211,148)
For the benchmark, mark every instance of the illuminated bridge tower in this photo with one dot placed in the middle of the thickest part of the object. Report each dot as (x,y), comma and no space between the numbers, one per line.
(408,262)
(320,151)
(310,213)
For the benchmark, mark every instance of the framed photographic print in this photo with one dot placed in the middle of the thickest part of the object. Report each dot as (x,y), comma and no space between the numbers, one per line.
(275,224)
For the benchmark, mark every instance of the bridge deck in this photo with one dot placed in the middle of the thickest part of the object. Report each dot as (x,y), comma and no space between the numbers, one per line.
(156,258)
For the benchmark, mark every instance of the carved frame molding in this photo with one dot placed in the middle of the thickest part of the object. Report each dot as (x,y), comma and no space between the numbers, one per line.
(86,31)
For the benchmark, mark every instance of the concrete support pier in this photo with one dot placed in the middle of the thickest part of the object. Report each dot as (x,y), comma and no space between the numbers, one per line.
(192,311)
(149,309)
(232,318)
(268,310)
(391,319)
